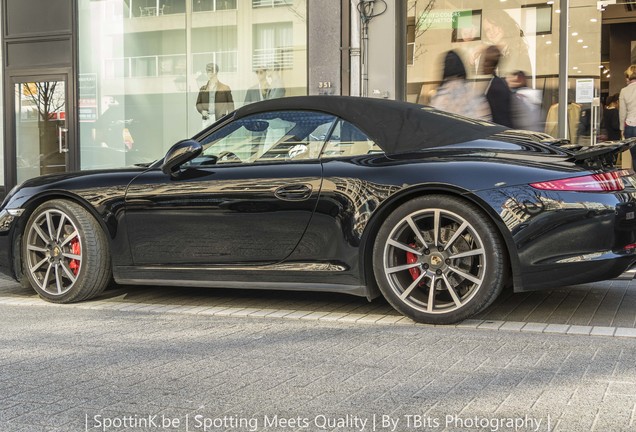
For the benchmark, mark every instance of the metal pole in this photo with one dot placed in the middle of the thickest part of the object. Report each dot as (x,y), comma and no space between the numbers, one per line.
(364,58)
(345,47)
(400,49)
(596,108)
(563,68)
(355,76)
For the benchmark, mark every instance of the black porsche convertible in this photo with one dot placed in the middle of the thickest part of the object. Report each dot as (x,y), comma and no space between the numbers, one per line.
(436,212)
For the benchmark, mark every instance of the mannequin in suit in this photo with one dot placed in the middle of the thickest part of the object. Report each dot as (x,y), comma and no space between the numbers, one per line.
(261,90)
(215,98)
(552,123)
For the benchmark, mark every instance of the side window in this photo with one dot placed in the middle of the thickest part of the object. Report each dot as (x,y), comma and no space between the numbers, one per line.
(269,137)
(348,140)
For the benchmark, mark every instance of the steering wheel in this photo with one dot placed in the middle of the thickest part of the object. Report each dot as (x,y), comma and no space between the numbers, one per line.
(228,156)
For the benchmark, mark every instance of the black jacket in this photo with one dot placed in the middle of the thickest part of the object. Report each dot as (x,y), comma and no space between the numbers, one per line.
(498,95)
(223,101)
(612,124)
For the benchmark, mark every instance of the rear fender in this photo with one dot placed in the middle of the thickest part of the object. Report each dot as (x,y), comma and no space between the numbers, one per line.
(386,207)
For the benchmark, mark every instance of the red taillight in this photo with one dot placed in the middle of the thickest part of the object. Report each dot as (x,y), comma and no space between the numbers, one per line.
(603,182)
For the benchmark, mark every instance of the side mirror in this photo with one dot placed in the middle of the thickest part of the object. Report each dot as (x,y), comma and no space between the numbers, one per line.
(180,153)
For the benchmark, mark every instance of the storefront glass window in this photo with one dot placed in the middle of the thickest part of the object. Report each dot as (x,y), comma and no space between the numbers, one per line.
(584,61)
(152,72)
(526,35)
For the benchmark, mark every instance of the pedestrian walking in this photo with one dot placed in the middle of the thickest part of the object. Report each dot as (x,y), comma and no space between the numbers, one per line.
(525,103)
(497,92)
(627,104)
(611,120)
(456,94)
(627,108)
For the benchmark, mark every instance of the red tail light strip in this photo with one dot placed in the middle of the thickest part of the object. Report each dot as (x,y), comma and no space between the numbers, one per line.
(603,182)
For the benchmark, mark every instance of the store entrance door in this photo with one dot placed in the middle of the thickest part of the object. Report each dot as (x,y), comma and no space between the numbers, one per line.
(40,121)
(601,40)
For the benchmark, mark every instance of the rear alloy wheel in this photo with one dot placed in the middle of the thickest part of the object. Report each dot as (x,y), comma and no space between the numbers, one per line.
(65,253)
(437,259)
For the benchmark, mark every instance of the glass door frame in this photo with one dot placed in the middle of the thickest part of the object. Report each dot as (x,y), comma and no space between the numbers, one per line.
(566,91)
(17,77)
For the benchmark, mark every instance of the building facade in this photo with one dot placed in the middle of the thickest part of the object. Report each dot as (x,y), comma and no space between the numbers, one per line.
(91,84)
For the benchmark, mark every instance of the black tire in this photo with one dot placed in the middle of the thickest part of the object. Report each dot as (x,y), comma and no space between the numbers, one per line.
(65,255)
(466,261)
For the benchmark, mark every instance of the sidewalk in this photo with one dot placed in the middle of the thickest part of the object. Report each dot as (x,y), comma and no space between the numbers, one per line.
(67,369)
(602,308)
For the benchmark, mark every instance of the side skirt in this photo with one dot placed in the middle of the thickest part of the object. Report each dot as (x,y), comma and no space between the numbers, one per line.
(236,278)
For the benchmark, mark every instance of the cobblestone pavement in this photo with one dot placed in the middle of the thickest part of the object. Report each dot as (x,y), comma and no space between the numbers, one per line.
(603,308)
(145,358)
(72,369)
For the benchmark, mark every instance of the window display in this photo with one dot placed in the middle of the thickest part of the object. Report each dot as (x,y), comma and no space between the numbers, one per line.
(149,66)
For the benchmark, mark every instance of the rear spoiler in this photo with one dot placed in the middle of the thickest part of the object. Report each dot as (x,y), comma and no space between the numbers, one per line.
(602,155)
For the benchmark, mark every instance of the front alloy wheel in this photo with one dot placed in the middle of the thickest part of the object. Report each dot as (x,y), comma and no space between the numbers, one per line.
(64,252)
(53,252)
(437,259)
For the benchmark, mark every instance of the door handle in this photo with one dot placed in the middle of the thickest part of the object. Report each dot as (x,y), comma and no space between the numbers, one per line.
(297,192)
(62,131)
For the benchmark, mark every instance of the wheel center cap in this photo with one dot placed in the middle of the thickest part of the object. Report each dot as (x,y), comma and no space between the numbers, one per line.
(436,260)
(55,252)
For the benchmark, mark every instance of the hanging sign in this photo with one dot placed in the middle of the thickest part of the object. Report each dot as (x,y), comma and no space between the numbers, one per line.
(584,90)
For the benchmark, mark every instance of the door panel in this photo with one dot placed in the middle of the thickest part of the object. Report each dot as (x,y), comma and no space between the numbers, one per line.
(246,200)
(40,126)
(220,215)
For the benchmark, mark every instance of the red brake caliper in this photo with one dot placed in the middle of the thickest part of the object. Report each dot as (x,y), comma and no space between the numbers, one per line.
(75,250)
(411,258)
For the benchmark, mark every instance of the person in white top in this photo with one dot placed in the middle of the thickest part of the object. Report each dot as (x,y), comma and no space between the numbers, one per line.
(627,105)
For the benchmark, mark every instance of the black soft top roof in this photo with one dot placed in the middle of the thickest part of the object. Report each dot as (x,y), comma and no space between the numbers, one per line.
(397,127)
